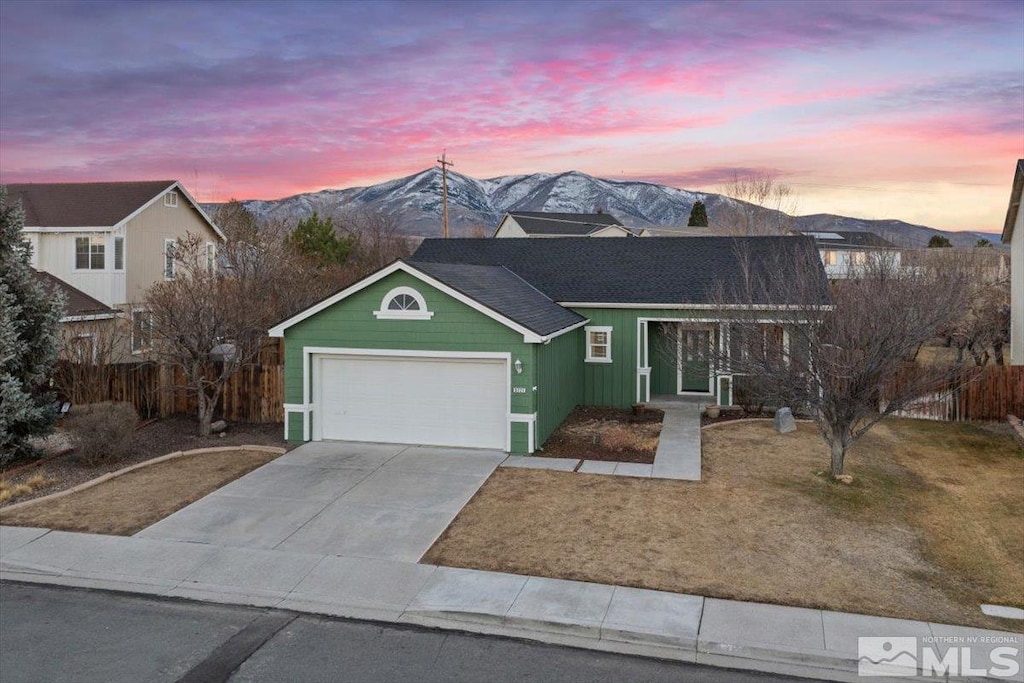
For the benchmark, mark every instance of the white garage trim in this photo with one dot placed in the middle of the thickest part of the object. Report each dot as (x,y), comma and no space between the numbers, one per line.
(531,428)
(310,402)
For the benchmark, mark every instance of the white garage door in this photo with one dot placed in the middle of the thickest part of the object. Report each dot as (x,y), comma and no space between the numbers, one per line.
(399,399)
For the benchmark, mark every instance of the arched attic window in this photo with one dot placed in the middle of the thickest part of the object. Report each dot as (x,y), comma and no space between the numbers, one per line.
(403,303)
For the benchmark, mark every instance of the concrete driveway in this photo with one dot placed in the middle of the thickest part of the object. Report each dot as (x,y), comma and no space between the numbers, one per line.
(370,500)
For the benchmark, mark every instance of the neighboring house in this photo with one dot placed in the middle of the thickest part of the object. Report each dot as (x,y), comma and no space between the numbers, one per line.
(112,240)
(85,318)
(544,224)
(844,252)
(1013,234)
(684,231)
(491,343)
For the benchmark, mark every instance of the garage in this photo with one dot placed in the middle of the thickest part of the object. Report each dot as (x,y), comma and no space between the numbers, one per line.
(439,399)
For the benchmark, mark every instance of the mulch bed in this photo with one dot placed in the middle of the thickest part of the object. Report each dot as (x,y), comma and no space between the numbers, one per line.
(580,435)
(153,439)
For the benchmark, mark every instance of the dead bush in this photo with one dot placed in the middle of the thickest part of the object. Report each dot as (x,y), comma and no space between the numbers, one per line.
(102,432)
(628,438)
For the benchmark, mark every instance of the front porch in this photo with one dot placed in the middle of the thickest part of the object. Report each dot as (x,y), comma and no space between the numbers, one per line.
(682,361)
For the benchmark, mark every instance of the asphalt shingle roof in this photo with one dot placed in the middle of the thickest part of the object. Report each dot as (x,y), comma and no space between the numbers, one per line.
(544,223)
(850,239)
(76,301)
(82,205)
(503,291)
(650,270)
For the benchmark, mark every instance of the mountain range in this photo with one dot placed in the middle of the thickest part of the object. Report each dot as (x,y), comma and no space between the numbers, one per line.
(476,206)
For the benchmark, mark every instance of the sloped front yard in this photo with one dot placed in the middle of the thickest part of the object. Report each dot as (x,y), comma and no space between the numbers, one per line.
(134,500)
(932,527)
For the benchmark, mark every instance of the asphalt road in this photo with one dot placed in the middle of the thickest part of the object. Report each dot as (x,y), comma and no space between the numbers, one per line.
(57,634)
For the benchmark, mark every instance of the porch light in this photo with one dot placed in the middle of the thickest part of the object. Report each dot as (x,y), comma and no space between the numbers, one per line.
(518,365)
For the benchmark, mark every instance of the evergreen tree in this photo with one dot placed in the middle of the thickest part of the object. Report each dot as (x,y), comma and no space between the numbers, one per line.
(938,241)
(316,238)
(698,215)
(983,243)
(29,340)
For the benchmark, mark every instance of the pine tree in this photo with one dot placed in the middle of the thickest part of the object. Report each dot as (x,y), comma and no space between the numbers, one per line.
(29,340)
(698,215)
(938,241)
(316,238)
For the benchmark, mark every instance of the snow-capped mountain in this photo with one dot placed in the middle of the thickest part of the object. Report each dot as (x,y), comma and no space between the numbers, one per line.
(476,206)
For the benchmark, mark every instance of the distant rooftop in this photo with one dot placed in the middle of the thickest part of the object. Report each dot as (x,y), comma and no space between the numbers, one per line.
(849,239)
(545,223)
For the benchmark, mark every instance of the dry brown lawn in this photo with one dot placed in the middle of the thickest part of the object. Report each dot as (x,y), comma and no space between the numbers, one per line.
(129,503)
(932,527)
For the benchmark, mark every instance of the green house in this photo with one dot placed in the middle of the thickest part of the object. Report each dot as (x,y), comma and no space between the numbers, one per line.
(490,343)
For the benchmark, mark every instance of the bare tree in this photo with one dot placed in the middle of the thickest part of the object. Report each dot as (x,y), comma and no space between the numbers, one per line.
(754,205)
(982,328)
(256,256)
(89,355)
(845,356)
(206,323)
(378,241)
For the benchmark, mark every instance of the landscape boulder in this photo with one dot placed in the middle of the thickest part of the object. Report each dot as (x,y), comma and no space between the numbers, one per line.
(784,421)
(218,427)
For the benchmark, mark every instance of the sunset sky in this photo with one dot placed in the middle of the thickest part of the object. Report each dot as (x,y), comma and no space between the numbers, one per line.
(876,110)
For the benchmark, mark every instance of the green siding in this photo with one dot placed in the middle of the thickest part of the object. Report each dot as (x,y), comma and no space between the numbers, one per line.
(454,327)
(614,384)
(560,381)
(663,367)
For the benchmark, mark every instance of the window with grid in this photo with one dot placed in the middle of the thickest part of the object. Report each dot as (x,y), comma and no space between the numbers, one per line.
(599,344)
(89,253)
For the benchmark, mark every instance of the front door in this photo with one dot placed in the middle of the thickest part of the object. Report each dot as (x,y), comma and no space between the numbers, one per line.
(693,361)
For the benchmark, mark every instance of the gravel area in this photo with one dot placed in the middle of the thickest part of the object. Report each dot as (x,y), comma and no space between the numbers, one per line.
(153,439)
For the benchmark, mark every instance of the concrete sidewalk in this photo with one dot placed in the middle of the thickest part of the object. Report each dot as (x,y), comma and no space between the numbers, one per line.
(784,640)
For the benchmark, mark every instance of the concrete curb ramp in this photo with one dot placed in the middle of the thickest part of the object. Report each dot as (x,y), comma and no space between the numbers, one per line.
(772,638)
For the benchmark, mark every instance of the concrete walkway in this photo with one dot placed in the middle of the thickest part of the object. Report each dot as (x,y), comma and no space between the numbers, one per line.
(785,640)
(678,455)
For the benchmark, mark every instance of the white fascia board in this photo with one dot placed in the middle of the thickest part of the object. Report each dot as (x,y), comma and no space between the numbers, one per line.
(698,307)
(529,336)
(34,229)
(86,318)
(564,330)
(174,186)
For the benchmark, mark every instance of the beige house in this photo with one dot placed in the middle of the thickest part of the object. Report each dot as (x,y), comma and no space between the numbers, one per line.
(1013,234)
(545,224)
(111,241)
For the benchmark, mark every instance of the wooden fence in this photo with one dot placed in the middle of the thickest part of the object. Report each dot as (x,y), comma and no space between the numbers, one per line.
(988,393)
(253,394)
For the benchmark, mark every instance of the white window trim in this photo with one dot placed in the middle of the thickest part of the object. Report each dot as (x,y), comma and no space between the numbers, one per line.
(211,257)
(113,254)
(131,341)
(91,336)
(171,199)
(74,254)
(586,335)
(169,244)
(385,314)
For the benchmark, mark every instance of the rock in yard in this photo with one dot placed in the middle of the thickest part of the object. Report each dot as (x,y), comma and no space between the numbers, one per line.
(784,422)
(218,427)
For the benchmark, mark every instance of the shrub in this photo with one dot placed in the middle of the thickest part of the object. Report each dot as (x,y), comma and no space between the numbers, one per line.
(102,432)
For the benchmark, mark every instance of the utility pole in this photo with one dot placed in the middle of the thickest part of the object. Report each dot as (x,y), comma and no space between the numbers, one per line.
(444,191)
